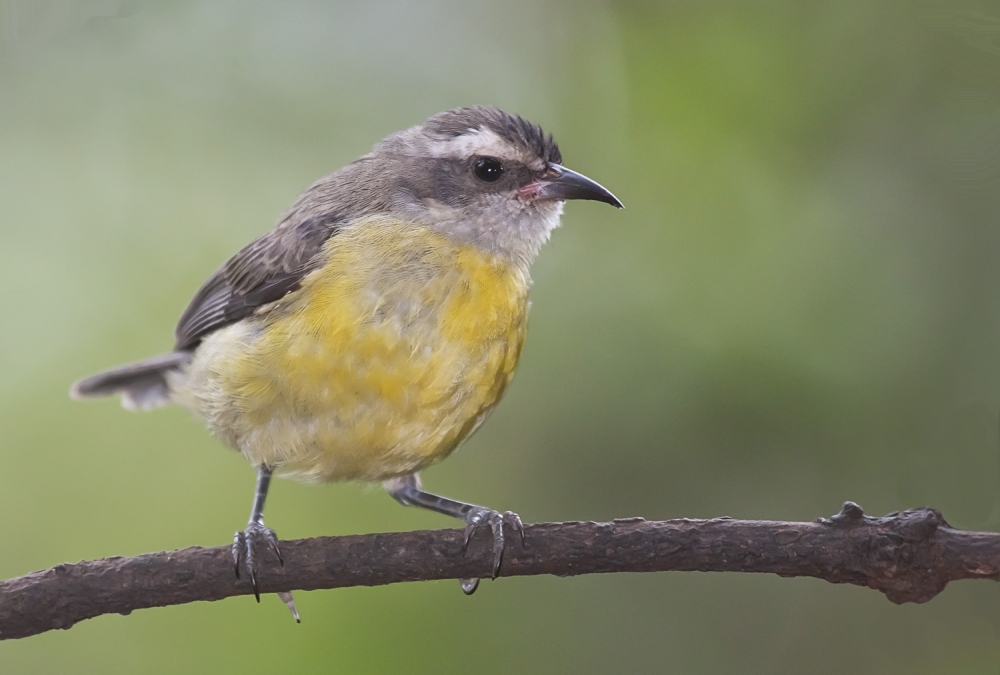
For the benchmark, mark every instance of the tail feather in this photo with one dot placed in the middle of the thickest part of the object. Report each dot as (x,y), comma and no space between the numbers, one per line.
(142,385)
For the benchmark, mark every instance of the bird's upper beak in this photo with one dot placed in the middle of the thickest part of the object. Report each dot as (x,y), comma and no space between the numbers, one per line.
(559,183)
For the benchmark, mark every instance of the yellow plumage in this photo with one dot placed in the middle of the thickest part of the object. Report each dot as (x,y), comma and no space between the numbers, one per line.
(393,351)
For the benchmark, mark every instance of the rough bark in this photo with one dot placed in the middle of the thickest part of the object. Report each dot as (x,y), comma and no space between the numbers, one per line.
(909,556)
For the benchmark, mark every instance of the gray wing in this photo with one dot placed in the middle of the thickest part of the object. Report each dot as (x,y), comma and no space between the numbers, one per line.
(265,270)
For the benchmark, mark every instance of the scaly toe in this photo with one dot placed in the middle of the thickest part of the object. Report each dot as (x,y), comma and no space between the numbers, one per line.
(272,543)
(475,519)
(496,524)
(239,546)
(515,523)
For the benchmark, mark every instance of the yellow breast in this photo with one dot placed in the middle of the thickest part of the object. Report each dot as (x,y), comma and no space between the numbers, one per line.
(392,353)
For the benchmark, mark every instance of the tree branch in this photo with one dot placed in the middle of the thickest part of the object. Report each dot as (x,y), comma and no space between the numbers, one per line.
(909,556)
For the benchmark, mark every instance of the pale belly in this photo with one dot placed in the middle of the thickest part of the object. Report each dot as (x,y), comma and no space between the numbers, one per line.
(349,384)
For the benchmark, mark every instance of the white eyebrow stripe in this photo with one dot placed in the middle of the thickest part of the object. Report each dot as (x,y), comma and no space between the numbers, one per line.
(481,141)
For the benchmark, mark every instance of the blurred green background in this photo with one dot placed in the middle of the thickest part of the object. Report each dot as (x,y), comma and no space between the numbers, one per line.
(798,306)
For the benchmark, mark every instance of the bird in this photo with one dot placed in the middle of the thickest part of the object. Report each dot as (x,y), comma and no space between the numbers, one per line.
(375,328)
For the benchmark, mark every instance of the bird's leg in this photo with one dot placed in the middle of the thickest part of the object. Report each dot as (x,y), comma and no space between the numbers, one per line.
(406,491)
(245,543)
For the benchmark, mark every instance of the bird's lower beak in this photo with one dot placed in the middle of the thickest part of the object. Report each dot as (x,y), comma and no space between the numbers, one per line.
(560,183)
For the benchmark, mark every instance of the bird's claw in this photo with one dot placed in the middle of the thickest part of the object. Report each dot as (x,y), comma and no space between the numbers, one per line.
(286,597)
(496,522)
(515,524)
(245,545)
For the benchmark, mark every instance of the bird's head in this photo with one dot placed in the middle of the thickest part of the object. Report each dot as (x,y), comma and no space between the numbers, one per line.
(482,176)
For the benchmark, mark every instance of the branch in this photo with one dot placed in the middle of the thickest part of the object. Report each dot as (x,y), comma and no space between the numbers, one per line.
(909,556)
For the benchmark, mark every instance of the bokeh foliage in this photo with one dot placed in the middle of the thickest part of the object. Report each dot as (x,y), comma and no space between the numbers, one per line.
(798,306)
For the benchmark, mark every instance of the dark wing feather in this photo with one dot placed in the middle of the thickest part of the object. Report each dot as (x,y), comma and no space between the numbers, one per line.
(266,270)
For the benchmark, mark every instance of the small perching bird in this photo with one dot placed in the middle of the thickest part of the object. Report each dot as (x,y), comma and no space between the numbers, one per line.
(375,328)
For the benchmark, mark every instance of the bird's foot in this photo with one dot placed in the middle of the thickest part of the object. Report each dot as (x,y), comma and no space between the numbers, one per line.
(246,545)
(496,521)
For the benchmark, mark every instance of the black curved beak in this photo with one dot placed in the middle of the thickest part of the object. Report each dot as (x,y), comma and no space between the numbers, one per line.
(562,183)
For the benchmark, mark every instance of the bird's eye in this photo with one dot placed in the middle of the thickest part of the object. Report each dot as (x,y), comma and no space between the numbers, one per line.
(487,169)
